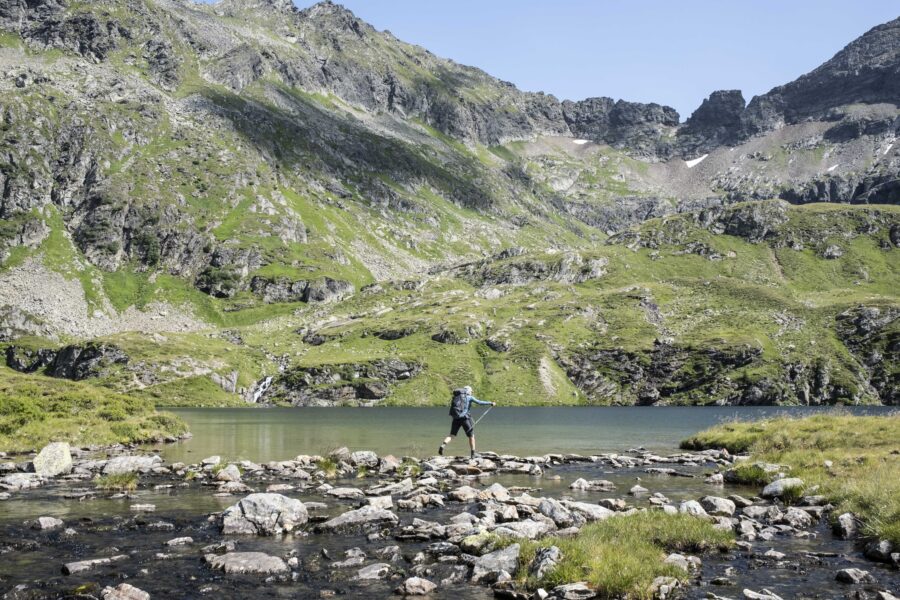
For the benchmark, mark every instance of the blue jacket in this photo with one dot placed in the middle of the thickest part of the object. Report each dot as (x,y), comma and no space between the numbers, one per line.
(469,400)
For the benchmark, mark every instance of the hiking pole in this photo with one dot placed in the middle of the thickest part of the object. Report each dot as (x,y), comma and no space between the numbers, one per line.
(482,416)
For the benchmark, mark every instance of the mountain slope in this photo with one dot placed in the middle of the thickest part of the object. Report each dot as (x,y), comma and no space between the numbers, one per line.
(212,172)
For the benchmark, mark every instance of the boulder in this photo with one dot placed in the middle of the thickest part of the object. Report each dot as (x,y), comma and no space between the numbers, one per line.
(692,507)
(231,473)
(123,591)
(257,563)
(346,493)
(528,529)
(364,458)
(361,517)
(53,459)
(880,551)
(854,576)
(763,595)
(715,505)
(845,526)
(264,514)
(796,518)
(415,586)
(591,512)
(487,568)
(131,464)
(553,509)
(777,488)
(47,523)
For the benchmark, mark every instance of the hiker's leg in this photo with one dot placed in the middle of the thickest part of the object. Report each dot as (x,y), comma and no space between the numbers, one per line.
(472,443)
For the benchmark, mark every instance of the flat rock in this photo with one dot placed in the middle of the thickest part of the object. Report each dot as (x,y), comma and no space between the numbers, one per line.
(528,529)
(247,562)
(86,565)
(123,591)
(591,512)
(359,518)
(264,514)
(131,464)
(572,591)
(375,571)
(345,493)
(21,481)
(53,459)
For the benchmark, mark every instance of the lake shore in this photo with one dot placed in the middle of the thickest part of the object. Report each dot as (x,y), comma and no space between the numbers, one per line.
(363,524)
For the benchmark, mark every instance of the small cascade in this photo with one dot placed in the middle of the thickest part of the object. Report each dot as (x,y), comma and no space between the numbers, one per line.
(261,388)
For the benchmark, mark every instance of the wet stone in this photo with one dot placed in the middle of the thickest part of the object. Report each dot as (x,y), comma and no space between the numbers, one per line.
(247,562)
(123,591)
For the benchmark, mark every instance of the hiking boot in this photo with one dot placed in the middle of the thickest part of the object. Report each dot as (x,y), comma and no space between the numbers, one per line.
(441,450)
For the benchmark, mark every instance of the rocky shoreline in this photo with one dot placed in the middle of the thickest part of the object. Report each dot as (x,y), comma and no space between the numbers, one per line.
(355,523)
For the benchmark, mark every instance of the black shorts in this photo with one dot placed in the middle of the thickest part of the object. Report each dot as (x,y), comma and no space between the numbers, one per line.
(465,423)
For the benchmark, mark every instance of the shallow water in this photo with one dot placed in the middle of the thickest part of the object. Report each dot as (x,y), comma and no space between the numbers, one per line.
(278,433)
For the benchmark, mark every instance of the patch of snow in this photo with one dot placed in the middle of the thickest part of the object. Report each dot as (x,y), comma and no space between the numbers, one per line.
(580,142)
(888,149)
(832,168)
(693,163)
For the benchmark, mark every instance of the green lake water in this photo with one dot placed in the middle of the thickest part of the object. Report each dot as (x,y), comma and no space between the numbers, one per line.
(263,434)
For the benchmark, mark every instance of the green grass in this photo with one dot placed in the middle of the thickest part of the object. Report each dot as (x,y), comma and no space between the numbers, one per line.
(121,482)
(621,556)
(865,452)
(35,410)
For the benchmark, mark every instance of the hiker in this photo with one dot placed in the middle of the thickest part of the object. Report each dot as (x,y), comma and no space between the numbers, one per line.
(459,410)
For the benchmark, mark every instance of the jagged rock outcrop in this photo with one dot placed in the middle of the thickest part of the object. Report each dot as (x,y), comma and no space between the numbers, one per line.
(873,335)
(282,289)
(640,128)
(716,122)
(501,269)
(664,374)
(340,384)
(74,362)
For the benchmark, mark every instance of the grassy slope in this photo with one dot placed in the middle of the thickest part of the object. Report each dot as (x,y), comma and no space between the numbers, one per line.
(36,410)
(865,451)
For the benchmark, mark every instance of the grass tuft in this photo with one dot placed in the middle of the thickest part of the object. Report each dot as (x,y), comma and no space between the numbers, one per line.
(621,556)
(121,482)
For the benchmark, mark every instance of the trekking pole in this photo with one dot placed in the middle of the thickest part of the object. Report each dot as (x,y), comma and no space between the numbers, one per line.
(482,416)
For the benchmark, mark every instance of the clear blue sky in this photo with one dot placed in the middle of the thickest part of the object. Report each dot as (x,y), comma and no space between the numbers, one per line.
(663,51)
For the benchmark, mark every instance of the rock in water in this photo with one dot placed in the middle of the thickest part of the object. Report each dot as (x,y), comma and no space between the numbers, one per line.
(247,562)
(123,591)
(845,526)
(488,568)
(46,523)
(131,464)
(376,571)
(415,586)
(573,591)
(359,518)
(54,459)
(264,514)
(854,576)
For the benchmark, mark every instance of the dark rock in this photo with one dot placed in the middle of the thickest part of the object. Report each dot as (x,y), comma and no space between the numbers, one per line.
(81,362)
(717,122)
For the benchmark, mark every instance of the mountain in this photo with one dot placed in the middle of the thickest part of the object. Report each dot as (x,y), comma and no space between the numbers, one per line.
(248,200)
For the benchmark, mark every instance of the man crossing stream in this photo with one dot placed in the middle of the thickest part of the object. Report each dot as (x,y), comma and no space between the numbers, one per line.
(460,411)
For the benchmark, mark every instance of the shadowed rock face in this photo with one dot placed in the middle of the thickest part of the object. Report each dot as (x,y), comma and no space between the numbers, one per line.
(717,122)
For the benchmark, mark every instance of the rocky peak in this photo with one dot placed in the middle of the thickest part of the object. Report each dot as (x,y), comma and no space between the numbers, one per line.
(329,16)
(635,125)
(231,6)
(717,121)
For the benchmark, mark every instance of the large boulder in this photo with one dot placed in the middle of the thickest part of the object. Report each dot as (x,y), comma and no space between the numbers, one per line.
(715,505)
(415,586)
(264,514)
(247,562)
(54,459)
